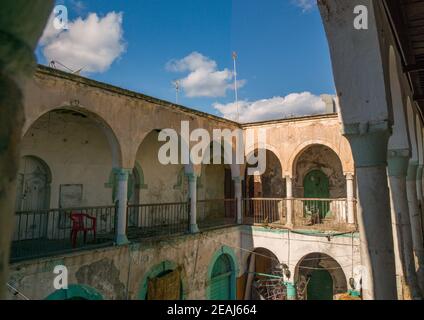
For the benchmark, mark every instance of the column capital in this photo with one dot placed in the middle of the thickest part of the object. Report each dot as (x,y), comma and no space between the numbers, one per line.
(368,142)
(398,161)
(192,177)
(238,179)
(122,173)
(349,175)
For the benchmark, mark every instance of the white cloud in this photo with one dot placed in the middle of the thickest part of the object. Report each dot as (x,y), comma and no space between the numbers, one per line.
(305,5)
(203,79)
(93,43)
(294,104)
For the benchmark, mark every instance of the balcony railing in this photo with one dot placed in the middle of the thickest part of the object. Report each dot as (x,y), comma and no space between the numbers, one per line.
(147,220)
(213,213)
(321,214)
(264,211)
(45,232)
(325,214)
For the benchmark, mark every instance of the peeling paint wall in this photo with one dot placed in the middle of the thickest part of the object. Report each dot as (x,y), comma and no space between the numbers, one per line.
(118,272)
(76,151)
(318,157)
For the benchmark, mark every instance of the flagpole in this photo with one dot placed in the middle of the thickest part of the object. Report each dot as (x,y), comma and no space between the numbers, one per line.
(235,84)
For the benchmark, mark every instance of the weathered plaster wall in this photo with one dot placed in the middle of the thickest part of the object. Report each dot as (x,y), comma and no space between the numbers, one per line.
(161,181)
(319,157)
(272,181)
(76,152)
(288,138)
(117,272)
(128,116)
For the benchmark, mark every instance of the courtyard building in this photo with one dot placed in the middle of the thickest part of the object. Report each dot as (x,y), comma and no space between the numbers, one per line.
(336,214)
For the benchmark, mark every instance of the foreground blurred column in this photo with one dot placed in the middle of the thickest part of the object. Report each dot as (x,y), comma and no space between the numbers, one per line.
(405,267)
(21,25)
(122,176)
(374,217)
(363,106)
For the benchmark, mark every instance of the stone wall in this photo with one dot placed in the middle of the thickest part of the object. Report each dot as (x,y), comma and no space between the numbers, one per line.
(119,272)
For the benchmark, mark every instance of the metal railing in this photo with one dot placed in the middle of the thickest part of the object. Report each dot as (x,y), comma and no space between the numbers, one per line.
(320,213)
(147,220)
(264,211)
(44,232)
(213,213)
(47,232)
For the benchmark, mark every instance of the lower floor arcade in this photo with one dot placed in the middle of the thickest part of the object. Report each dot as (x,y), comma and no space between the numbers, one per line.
(241,262)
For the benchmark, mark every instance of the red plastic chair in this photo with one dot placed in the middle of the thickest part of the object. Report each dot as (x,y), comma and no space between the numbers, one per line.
(79,225)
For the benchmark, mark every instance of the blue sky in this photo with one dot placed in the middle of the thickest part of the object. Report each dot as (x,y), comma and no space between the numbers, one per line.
(281,47)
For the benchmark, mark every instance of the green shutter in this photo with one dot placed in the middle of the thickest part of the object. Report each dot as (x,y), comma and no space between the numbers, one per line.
(316,185)
(320,286)
(221,281)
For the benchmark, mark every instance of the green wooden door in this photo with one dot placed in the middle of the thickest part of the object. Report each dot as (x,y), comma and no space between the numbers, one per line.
(320,286)
(222,279)
(316,185)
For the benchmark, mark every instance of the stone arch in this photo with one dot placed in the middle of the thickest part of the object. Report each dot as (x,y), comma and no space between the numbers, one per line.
(319,264)
(101,123)
(318,157)
(76,292)
(344,159)
(269,147)
(157,270)
(228,253)
(265,260)
(399,138)
(161,188)
(270,184)
(225,156)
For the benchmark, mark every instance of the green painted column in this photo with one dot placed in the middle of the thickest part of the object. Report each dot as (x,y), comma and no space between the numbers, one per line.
(122,176)
(291,291)
(369,143)
(21,25)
